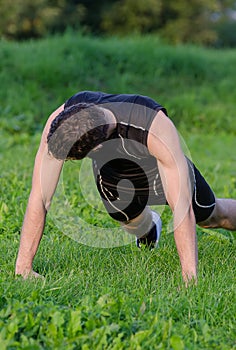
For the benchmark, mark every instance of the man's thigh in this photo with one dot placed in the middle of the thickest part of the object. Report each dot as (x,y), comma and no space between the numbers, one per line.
(121,205)
(203,197)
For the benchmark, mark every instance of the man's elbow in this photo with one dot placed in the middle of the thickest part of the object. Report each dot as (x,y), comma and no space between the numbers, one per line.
(47,205)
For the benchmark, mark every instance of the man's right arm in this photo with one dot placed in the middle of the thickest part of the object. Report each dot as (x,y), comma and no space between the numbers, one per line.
(45,178)
(164,144)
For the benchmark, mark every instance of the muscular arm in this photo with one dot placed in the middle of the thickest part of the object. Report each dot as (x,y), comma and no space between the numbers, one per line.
(45,178)
(163,143)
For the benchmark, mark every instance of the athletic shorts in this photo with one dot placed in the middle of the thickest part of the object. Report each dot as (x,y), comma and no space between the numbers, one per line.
(123,205)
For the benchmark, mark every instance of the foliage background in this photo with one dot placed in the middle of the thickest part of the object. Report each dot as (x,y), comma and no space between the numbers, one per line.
(207,22)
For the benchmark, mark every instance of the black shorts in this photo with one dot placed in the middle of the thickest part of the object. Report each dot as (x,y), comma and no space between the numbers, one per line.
(124,204)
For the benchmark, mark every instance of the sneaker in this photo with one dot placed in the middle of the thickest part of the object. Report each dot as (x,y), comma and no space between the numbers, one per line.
(151,239)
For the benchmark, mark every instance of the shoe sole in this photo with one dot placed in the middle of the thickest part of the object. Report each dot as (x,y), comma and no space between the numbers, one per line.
(157,220)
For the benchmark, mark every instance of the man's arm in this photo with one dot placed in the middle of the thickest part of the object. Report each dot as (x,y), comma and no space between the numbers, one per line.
(163,143)
(45,178)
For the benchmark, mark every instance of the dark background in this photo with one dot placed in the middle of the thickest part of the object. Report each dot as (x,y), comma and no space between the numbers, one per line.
(209,22)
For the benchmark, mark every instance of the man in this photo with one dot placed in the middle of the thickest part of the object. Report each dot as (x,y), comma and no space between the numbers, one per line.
(128,137)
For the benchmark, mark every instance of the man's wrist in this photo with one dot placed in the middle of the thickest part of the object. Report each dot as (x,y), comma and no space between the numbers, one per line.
(23,269)
(189,277)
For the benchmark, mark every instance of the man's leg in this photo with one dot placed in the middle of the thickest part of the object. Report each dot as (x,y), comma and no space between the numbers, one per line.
(212,212)
(140,225)
(146,227)
(223,215)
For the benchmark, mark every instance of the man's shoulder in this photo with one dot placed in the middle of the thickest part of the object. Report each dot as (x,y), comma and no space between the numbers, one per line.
(99,97)
(84,96)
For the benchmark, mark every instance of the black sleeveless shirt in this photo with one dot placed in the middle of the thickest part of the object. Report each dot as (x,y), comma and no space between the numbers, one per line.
(134,113)
(125,155)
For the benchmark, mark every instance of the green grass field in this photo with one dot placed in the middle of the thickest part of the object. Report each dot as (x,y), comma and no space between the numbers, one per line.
(116,298)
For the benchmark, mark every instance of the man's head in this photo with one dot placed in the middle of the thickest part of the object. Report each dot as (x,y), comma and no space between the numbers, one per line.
(76,131)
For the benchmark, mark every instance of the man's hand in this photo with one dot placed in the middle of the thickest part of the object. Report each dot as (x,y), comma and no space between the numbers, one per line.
(28,274)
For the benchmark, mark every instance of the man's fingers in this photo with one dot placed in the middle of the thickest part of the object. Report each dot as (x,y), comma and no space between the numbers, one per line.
(35,275)
(29,275)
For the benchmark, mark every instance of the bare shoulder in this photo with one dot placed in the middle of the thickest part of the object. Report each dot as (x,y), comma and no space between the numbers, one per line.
(45,163)
(43,142)
(163,135)
(162,125)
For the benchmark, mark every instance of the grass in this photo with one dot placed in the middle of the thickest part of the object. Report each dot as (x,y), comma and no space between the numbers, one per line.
(116,298)
(45,73)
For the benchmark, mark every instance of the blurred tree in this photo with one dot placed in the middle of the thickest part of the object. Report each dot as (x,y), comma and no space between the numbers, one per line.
(94,12)
(71,13)
(23,19)
(226,33)
(224,23)
(188,21)
(127,16)
(178,21)
(224,6)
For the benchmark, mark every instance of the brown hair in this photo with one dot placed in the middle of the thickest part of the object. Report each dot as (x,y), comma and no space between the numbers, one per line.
(76,131)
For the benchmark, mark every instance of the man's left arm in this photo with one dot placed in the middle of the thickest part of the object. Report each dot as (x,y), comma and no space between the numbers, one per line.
(164,144)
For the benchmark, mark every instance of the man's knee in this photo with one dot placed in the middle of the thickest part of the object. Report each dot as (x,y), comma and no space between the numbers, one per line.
(141,224)
(217,217)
